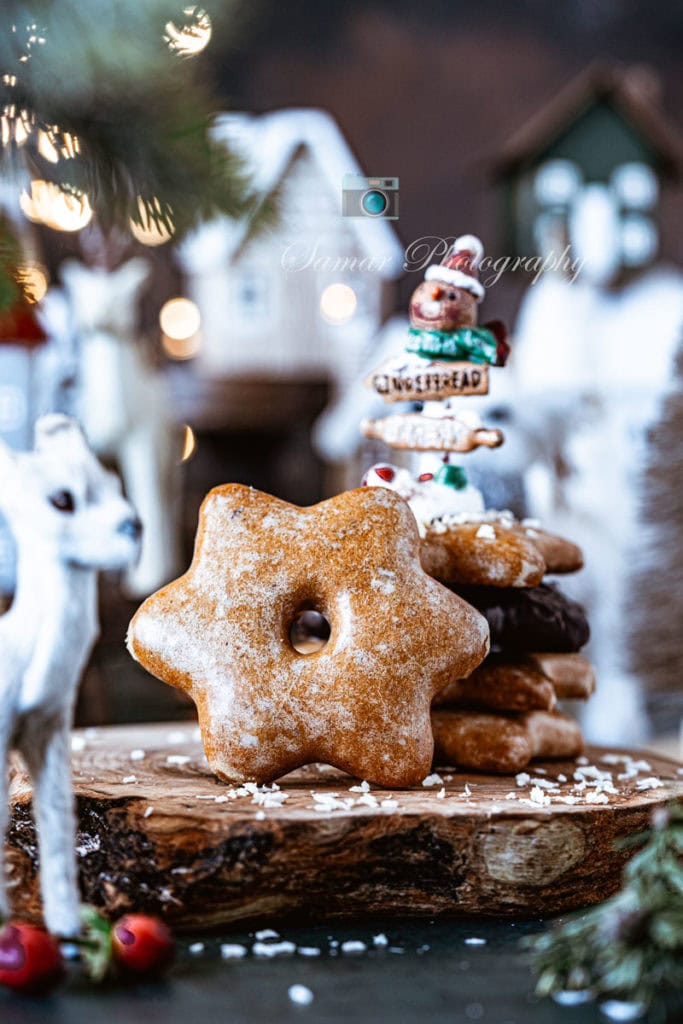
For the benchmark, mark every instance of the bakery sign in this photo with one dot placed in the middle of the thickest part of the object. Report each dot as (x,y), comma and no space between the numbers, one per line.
(438,379)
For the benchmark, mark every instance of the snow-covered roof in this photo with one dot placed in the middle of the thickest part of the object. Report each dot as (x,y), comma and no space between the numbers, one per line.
(267,144)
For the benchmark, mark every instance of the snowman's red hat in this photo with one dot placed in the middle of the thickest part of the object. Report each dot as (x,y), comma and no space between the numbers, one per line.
(460,266)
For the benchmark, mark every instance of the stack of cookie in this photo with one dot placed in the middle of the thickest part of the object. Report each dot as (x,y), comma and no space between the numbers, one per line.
(506,713)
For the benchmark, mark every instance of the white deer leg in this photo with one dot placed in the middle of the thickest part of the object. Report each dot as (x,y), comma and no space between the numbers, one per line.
(48,758)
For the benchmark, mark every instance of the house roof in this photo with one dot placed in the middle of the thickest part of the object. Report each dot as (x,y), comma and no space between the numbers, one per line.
(268,143)
(632,91)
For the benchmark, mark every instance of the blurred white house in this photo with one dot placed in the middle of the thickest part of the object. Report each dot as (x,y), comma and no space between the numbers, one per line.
(304,299)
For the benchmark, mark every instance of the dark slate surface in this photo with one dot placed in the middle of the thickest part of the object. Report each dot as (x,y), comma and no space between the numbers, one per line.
(449,981)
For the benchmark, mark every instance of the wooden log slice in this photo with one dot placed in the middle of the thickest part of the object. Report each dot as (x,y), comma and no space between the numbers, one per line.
(158,832)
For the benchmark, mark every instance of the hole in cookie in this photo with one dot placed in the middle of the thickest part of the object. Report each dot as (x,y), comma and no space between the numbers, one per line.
(309,631)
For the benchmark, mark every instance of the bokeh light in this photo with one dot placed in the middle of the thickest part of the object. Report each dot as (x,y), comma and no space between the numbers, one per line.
(190,39)
(179,319)
(33,280)
(54,144)
(149,232)
(338,303)
(47,204)
(181,348)
(189,443)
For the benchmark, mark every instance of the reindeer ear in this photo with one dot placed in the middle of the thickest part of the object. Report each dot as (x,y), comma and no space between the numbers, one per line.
(132,275)
(56,432)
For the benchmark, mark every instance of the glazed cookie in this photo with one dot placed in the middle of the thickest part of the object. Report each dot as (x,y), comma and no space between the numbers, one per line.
(532,683)
(223,632)
(531,619)
(560,555)
(495,550)
(501,685)
(502,743)
(462,541)
(481,552)
(572,675)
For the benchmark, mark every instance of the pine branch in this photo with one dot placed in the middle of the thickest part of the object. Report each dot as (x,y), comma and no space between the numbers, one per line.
(631,946)
(10,256)
(98,103)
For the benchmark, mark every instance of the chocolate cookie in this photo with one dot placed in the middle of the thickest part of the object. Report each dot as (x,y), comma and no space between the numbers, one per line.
(529,619)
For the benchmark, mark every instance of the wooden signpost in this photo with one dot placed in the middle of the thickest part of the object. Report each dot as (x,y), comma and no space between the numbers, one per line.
(434,380)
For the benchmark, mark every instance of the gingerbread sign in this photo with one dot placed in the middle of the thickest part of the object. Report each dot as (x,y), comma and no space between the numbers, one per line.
(428,379)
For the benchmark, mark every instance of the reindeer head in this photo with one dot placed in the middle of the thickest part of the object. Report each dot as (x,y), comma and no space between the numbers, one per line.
(60,497)
(105,300)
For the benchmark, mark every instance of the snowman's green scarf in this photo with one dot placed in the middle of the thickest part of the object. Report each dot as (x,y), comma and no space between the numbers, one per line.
(474,344)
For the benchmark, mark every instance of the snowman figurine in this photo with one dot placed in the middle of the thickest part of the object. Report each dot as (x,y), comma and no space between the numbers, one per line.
(446,356)
(443,310)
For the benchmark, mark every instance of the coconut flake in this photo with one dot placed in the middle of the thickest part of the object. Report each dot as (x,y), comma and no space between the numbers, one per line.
(353,946)
(269,950)
(652,783)
(233,951)
(300,994)
(432,780)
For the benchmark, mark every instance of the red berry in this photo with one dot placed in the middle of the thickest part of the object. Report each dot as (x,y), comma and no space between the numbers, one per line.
(142,944)
(424,477)
(385,473)
(30,959)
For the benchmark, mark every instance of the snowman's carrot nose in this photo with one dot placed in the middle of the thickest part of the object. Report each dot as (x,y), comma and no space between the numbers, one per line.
(437,291)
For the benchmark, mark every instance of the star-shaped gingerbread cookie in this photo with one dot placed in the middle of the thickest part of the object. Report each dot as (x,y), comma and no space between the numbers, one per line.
(222,633)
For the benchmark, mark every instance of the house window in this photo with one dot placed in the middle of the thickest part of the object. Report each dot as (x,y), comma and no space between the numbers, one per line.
(627,199)
(556,183)
(251,296)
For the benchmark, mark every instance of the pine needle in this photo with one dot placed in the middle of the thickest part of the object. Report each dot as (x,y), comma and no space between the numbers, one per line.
(97,102)
(631,946)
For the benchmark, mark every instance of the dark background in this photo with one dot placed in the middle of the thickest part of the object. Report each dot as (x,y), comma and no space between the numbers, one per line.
(431,90)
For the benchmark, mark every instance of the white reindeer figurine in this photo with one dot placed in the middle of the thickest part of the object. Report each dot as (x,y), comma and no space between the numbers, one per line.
(69,520)
(125,408)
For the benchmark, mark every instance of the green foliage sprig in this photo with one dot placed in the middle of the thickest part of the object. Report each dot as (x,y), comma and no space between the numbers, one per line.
(10,257)
(95,99)
(631,946)
(102,72)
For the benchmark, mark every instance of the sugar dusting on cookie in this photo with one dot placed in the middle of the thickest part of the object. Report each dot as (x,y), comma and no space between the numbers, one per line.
(362,702)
